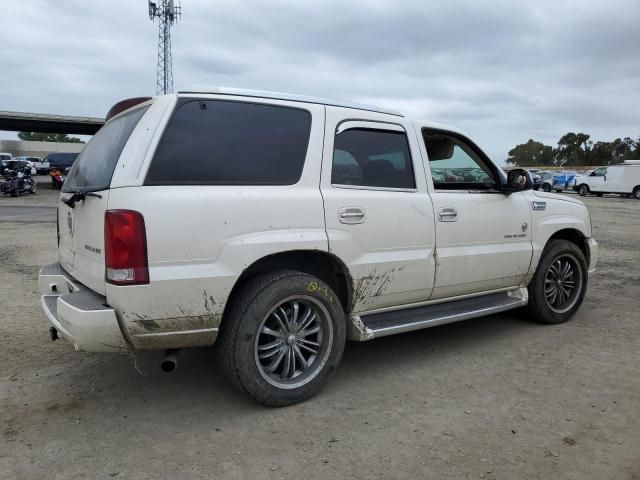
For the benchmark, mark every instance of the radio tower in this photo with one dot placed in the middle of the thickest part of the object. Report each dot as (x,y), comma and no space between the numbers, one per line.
(167,15)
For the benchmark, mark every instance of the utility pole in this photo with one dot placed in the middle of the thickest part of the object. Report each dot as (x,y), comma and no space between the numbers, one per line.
(167,14)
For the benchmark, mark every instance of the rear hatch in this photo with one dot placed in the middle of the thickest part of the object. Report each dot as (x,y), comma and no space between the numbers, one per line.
(84,200)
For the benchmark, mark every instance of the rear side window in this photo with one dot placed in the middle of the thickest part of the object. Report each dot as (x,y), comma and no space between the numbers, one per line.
(94,166)
(372,158)
(219,142)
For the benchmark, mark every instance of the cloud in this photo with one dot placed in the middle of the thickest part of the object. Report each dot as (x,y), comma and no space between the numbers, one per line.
(503,71)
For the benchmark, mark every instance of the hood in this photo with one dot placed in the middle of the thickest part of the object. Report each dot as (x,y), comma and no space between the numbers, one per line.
(558,196)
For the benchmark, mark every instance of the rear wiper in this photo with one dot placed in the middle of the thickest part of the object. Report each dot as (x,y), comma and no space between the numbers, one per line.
(78,196)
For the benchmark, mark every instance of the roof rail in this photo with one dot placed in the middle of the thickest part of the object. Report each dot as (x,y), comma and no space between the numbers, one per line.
(238,92)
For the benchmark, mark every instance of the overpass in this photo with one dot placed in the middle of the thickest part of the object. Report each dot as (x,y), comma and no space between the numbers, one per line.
(47,123)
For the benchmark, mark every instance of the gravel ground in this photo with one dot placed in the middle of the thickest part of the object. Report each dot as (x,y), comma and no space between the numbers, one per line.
(494,398)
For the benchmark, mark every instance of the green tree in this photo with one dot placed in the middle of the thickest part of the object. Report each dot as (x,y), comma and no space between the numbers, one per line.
(48,137)
(531,154)
(574,149)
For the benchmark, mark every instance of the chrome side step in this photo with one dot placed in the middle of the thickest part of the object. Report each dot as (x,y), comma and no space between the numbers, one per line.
(389,323)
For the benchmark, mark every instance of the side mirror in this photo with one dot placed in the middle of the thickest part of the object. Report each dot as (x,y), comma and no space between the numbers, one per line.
(518,180)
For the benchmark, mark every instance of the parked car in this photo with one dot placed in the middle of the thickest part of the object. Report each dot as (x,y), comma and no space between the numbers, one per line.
(546,180)
(61,160)
(623,179)
(30,162)
(563,181)
(41,167)
(5,156)
(276,253)
(537,179)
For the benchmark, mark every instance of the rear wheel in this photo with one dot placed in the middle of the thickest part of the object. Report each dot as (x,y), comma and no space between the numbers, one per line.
(584,190)
(559,284)
(546,187)
(636,192)
(282,337)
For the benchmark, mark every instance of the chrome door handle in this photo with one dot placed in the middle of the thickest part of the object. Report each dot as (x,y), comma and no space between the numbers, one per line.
(447,214)
(351,215)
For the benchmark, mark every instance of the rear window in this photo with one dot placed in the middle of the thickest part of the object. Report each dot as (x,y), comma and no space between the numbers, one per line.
(219,142)
(94,166)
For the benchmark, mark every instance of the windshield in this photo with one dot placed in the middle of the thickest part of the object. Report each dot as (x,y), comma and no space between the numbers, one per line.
(94,166)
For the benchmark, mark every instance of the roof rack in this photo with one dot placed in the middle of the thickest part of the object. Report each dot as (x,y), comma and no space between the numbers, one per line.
(288,96)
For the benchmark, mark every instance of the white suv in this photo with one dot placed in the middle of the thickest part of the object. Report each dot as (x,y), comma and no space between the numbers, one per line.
(276,226)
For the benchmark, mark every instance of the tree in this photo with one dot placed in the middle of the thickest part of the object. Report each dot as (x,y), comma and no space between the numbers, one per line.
(48,137)
(574,149)
(531,154)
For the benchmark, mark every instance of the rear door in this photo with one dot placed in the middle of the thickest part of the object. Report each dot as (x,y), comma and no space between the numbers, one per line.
(84,199)
(378,214)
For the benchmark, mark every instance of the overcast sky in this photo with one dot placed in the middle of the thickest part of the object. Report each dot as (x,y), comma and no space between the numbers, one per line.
(503,71)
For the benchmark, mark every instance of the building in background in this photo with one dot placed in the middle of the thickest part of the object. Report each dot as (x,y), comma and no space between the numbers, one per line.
(38,149)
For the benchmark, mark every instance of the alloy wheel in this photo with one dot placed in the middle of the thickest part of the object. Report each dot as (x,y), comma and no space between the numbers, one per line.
(563,283)
(293,342)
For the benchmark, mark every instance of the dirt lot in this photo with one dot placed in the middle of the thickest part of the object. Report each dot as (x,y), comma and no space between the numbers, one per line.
(494,398)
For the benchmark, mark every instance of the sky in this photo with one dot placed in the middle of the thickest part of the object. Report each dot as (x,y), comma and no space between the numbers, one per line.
(502,71)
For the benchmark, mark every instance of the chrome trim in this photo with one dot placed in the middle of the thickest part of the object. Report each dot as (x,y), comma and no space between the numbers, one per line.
(381,189)
(447,214)
(352,124)
(238,92)
(538,205)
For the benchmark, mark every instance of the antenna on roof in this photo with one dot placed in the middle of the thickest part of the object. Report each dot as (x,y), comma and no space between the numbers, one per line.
(168,15)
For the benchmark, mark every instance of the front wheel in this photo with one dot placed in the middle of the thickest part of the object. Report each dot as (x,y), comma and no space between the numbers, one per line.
(282,337)
(559,284)
(546,187)
(33,188)
(636,192)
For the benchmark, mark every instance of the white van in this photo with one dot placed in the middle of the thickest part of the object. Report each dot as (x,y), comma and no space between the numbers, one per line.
(623,178)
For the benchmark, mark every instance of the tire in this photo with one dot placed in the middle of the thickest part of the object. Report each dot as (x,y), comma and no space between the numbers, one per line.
(258,361)
(546,187)
(599,194)
(636,193)
(34,188)
(583,190)
(543,306)
(558,191)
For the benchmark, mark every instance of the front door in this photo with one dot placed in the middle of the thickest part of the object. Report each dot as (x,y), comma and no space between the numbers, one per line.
(483,237)
(597,180)
(378,213)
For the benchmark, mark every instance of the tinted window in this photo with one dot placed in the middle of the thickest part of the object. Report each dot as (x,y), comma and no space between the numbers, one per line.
(372,158)
(231,143)
(94,166)
(455,165)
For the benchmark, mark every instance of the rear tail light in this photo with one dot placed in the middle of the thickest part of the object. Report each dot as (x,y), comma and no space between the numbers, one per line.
(125,248)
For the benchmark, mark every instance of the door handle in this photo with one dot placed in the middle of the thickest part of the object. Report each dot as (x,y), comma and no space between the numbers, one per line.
(351,215)
(447,214)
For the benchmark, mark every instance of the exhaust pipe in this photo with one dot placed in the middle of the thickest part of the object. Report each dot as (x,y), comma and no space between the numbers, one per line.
(170,361)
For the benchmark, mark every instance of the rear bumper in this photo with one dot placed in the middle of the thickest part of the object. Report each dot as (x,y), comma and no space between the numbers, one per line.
(79,314)
(592,247)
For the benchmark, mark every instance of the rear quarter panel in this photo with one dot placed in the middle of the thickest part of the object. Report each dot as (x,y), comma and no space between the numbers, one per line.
(201,238)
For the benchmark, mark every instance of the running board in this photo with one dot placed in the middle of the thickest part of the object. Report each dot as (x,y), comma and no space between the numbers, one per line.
(378,325)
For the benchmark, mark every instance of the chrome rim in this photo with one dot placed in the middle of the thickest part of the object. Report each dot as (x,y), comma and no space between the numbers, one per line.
(293,342)
(563,283)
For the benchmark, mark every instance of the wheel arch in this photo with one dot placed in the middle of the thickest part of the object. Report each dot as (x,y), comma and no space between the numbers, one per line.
(572,235)
(321,264)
